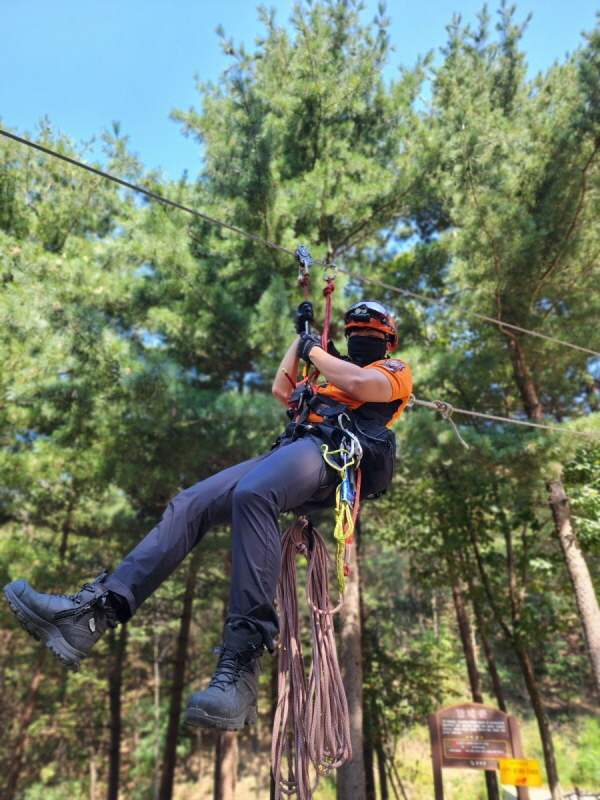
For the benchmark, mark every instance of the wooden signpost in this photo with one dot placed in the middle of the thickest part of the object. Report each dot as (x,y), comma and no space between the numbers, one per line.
(473,736)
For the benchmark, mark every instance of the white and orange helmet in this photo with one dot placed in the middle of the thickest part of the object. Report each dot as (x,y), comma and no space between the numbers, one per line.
(371,314)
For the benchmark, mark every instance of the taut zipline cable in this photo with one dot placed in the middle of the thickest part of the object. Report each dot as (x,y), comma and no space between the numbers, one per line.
(134,187)
(361,278)
(446,410)
(443,304)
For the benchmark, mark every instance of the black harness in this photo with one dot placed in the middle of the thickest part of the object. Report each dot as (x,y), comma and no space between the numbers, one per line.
(367,423)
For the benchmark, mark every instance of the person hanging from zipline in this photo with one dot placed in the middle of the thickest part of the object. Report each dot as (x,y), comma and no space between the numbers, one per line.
(362,395)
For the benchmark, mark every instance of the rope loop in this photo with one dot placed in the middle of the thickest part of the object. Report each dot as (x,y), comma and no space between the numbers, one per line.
(311,725)
(444,408)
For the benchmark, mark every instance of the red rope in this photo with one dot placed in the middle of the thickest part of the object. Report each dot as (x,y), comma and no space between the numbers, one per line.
(327,292)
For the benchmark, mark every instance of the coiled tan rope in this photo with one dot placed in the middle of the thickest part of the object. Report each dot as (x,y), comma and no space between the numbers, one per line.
(311,725)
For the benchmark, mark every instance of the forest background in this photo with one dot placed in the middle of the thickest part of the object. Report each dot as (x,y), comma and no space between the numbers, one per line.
(138,347)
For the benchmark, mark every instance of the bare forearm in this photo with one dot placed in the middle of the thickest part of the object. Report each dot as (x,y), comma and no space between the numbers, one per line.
(282,384)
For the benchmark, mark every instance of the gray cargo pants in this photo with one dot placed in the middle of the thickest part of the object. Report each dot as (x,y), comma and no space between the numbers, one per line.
(250,496)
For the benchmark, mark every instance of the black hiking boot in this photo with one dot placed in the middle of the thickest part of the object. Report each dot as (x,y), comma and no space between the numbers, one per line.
(229,700)
(69,624)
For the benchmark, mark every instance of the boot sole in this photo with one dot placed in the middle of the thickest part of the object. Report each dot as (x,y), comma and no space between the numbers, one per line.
(43,631)
(197,718)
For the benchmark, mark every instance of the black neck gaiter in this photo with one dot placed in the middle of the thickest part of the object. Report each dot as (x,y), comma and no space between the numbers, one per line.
(364,350)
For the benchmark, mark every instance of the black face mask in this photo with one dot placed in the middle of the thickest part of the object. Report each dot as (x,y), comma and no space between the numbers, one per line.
(364,350)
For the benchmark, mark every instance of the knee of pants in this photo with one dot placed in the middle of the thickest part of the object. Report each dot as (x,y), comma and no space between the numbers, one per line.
(247,496)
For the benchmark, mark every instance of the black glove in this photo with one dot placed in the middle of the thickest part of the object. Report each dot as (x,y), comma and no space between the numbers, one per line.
(306,344)
(304,315)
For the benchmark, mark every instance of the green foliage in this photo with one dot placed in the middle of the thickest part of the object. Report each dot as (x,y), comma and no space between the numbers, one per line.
(582,478)
(137,349)
(586,770)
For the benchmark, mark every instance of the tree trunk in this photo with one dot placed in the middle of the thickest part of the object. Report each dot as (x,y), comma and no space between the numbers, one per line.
(542,719)
(157,688)
(178,682)
(384,793)
(273,694)
(526,668)
(369,725)
(467,643)
(524,381)
(93,773)
(117,647)
(226,742)
(533,409)
(350,781)
(368,758)
(489,656)
(226,755)
(585,596)
(19,745)
(491,780)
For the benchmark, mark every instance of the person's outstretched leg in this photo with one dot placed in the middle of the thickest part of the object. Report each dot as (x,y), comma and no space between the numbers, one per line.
(185,521)
(291,476)
(70,625)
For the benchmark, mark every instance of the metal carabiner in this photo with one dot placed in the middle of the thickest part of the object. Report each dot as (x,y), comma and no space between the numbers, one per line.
(327,277)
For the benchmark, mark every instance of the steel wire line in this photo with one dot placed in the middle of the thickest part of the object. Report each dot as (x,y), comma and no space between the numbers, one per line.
(353,276)
(361,278)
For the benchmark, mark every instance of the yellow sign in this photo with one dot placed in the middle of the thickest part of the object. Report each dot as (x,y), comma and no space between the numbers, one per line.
(520,771)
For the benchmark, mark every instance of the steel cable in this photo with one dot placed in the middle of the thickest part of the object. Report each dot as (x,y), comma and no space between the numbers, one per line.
(361,278)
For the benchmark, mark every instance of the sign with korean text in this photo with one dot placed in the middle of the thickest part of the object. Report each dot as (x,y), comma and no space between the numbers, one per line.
(475,736)
(472,735)
(520,771)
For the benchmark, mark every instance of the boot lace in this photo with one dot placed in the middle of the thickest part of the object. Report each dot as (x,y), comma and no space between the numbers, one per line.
(98,601)
(233,664)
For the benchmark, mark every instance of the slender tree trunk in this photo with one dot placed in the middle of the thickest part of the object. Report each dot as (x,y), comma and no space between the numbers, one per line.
(117,645)
(523,380)
(491,780)
(369,724)
(585,596)
(226,743)
(93,773)
(489,656)
(351,781)
(177,685)
(273,694)
(526,668)
(467,643)
(226,757)
(542,719)
(368,757)
(19,745)
(157,687)
(384,793)
(533,409)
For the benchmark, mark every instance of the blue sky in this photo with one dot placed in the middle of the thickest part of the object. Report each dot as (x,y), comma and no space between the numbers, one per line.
(87,64)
